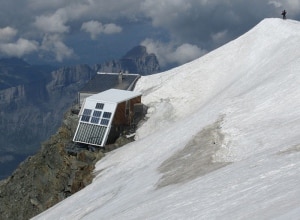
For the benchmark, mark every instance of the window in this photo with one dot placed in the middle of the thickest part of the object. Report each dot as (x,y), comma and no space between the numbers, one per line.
(107,115)
(99,106)
(104,121)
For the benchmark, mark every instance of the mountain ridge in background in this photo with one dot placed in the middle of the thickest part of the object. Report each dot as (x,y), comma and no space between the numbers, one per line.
(137,60)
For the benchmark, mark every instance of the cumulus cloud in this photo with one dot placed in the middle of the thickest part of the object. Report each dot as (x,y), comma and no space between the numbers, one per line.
(197,24)
(290,4)
(293,7)
(111,28)
(55,23)
(7,33)
(277,4)
(185,53)
(168,53)
(53,44)
(19,48)
(220,37)
(95,28)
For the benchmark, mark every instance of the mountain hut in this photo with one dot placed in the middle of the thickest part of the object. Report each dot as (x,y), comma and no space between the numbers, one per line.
(104,116)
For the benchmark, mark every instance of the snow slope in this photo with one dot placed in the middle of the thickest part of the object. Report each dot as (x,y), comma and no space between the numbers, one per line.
(222,139)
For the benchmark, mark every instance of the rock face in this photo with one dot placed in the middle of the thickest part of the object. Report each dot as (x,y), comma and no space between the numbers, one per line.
(14,72)
(136,60)
(52,174)
(47,177)
(32,111)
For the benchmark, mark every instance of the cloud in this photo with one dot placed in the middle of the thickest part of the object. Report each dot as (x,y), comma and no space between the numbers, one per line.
(42,5)
(96,28)
(277,4)
(197,23)
(169,54)
(53,44)
(220,37)
(111,28)
(19,48)
(185,53)
(293,7)
(55,23)
(7,33)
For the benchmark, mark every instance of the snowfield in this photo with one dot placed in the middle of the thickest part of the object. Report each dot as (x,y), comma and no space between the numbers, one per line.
(221,139)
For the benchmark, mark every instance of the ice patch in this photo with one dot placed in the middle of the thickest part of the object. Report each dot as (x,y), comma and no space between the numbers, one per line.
(195,159)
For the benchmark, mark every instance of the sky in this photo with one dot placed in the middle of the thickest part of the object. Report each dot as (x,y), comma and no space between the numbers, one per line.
(92,31)
(221,139)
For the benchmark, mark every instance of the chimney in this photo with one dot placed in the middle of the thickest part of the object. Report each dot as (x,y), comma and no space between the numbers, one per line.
(120,78)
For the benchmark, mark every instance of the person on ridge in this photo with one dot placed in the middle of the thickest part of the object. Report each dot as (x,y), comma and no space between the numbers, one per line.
(283,13)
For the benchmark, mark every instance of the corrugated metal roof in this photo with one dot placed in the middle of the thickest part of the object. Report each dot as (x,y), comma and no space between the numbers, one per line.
(102,82)
(114,95)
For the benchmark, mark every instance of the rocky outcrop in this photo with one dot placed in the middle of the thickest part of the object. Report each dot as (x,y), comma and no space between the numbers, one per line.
(136,60)
(59,169)
(32,112)
(49,176)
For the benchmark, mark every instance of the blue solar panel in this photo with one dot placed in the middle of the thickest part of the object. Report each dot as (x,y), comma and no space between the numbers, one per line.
(106,114)
(97,114)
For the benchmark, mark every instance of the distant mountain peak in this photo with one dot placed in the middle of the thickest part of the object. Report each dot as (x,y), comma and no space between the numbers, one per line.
(137,60)
(136,52)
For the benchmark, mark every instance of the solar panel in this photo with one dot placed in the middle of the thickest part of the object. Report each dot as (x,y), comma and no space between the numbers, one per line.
(106,114)
(87,111)
(99,106)
(85,118)
(97,113)
(89,133)
(104,121)
(95,120)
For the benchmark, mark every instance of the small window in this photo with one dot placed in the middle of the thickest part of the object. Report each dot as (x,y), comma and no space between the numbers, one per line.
(85,118)
(104,121)
(87,111)
(95,120)
(107,115)
(99,106)
(97,114)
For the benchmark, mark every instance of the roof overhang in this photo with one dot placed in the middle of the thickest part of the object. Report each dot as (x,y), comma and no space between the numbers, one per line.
(114,95)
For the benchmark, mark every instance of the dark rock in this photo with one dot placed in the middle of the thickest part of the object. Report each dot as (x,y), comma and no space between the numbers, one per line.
(136,60)
(47,177)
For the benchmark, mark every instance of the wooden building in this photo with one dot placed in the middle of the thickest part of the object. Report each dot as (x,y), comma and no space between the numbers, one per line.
(104,116)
